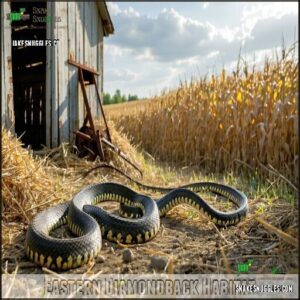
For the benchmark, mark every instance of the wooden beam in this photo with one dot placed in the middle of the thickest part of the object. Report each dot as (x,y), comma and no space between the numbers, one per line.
(102,111)
(85,98)
(83,67)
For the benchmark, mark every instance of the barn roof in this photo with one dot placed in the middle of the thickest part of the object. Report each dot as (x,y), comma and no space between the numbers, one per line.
(108,26)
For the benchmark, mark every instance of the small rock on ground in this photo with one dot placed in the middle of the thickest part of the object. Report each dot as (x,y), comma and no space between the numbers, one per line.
(100,259)
(158,262)
(127,255)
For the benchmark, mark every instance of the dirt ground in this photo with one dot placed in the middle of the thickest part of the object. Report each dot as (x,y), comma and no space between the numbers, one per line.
(188,242)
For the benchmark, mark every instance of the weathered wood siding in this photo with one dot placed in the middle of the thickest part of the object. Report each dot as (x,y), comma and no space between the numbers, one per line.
(7,108)
(80,35)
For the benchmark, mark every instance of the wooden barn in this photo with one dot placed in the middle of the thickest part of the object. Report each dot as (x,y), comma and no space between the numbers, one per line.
(42,100)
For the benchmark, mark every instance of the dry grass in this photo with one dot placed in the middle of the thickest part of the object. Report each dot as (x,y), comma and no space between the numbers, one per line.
(190,241)
(25,183)
(131,107)
(230,122)
(33,181)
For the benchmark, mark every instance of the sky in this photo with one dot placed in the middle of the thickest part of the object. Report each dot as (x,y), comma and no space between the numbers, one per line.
(158,44)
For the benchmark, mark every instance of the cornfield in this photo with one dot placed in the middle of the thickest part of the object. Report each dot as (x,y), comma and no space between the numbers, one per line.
(246,119)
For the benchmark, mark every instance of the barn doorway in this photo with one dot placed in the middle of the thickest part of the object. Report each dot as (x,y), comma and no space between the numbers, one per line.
(29,73)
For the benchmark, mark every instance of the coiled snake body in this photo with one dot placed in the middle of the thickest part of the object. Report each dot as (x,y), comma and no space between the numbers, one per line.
(90,223)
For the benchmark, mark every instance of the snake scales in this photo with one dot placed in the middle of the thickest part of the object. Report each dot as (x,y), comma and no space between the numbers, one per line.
(139,220)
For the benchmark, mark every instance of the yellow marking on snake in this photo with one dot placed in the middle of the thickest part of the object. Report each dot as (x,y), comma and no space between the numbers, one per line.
(70,262)
(36,257)
(110,235)
(152,232)
(42,259)
(65,266)
(49,261)
(31,254)
(85,258)
(79,258)
(59,261)
(146,236)
(119,237)
(139,238)
(128,238)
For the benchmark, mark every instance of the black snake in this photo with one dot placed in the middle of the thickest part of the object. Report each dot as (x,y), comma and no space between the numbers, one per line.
(90,223)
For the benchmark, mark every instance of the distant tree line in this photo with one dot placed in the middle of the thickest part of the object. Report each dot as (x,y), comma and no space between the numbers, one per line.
(117,98)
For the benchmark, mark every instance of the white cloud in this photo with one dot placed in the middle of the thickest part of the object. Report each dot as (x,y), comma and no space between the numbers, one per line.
(130,12)
(205,4)
(113,8)
(168,37)
(252,13)
(268,32)
(121,75)
(188,61)
(213,54)
(113,50)
(146,54)
(150,53)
